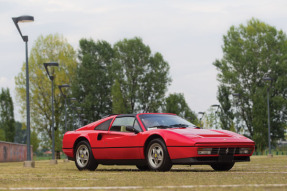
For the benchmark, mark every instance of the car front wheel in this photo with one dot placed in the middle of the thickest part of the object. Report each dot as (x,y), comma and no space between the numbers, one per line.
(157,156)
(222,166)
(84,158)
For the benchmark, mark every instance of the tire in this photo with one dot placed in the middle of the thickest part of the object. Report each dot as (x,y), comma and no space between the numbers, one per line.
(142,167)
(222,166)
(84,158)
(157,156)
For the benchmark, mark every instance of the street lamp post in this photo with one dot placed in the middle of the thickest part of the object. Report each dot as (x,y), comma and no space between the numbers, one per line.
(268,109)
(201,113)
(79,109)
(65,97)
(74,120)
(216,115)
(51,77)
(16,20)
(72,100)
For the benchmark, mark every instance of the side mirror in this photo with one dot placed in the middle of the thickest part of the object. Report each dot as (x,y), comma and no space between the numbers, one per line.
(132,129)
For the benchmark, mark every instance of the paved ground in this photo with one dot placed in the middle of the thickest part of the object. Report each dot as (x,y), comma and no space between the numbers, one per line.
(261,173)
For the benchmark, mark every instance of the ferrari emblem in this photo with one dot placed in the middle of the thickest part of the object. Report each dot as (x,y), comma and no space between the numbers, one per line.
(226,151)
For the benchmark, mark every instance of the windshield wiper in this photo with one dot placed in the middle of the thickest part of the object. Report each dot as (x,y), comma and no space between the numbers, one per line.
(179,125)
(159,127)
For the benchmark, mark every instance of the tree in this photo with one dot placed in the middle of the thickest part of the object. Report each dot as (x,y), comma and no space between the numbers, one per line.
(143,77)
(35,141)
(117,98)
(20,133)
(225,112)
(175,103)
(249,53)
(52,48)
(7,122)
(92,84)
(2,134)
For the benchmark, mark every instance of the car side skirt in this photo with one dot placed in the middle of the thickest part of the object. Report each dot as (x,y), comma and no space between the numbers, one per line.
(121,161)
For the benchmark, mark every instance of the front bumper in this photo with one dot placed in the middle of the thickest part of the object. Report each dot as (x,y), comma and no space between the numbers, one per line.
(219,153)
(210,160)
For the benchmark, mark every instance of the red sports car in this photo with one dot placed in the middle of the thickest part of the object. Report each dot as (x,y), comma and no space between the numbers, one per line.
(154,141)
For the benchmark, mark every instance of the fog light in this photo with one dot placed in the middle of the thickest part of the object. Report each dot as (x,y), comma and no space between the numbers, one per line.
(204,151)
(245,150)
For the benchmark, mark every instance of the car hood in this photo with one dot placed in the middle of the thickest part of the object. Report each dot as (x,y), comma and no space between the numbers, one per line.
(192,132)
(205,136)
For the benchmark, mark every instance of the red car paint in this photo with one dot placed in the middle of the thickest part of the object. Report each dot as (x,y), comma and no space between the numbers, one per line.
(181,142)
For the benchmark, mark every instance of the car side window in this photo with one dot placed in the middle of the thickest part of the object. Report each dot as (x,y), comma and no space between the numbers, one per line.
(104,126)
(120,124)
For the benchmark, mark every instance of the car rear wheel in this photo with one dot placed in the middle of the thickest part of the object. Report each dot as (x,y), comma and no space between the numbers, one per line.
(157,156)
(222,166)
(84,158)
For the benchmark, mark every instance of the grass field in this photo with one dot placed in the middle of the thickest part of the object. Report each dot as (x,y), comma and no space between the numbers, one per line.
(262,173)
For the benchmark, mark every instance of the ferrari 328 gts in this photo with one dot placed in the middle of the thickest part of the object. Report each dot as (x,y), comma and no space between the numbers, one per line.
(154,141)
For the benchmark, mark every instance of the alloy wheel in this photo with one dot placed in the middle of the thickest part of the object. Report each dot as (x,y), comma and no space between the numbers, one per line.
(155,155)
(82,156)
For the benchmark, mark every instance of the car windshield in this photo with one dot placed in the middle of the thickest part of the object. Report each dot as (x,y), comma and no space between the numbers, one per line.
(158,121)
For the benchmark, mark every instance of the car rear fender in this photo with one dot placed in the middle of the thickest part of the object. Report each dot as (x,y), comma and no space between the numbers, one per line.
(79,139)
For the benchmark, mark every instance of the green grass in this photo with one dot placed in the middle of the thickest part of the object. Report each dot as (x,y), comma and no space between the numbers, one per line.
(262,173)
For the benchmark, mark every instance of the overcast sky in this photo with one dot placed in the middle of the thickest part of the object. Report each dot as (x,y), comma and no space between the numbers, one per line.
(187,33)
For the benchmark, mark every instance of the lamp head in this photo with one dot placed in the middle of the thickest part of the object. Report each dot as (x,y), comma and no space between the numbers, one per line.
(236,94)
(73,99)
(267,78)
(50,64)
(23,19)
(63,86)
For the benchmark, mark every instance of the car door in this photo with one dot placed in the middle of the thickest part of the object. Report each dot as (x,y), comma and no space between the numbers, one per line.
(120,143)
(97,138)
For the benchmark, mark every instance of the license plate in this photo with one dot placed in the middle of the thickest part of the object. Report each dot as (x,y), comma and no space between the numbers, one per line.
(225,158)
